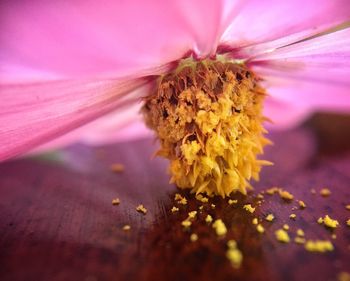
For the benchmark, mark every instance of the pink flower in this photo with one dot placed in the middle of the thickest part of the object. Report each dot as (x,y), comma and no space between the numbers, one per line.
(64,64)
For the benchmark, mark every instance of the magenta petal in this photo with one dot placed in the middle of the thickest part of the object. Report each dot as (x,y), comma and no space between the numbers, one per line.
(29,116)
(113,38)
(263,25)
(313,73)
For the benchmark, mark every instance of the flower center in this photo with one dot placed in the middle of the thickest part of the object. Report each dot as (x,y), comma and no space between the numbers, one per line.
(208,118)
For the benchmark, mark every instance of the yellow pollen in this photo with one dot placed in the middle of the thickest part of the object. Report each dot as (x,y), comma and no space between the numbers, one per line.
(220,227)
(208,118)
(282,236)
(320,246)
(249,208)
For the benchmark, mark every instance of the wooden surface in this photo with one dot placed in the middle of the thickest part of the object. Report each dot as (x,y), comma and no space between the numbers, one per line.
(57,221)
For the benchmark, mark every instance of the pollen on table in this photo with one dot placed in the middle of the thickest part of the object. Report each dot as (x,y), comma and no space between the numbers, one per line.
(348,222)
(270,217)
(174,209)
(286,195)
(299,240)
(329,222)
(334,236)
(292,216)
(313,191)
(286,227)
(233,254)
(260,228)
(186,223)
(272,190)
(178,197)
(183,201)
(320,246)
(347,207)
(213,206)
(208,219)
(249,208)
(255,221)
(343,276)
(282,236)
(116,201)
(192,214)
(220,227)
(302,204)
(232,201)
(325,192)
(126,227)
(300,232)
(208,118)
(141,209)
(117,168)
(260,196)
(194,237)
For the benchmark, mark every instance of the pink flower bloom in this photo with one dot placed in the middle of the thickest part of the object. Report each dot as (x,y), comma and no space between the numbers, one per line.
(64,64)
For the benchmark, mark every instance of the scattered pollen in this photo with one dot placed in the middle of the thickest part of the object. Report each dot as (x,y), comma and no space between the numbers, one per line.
(313,191)
(220,227)
(300,232)
(117,168)
(327,221)
(233,254)
(116,201)
(213,206)
(325,192)
(260,196)
(320,221)
(174,209)
(126,227)
(186,223)
(320,246)
(141,209)
(299,240)
(183,201)
(282,236)
(286,227)
(272,190)
(302,204)
(208,219)
(178,197)
(249,208)
(208,117)
(192,214)
(270,217)
(260,228)
(286,195)
(334,236)
(194,237)
(348,222)
(344,276)
(293,216)
(255,221)
(232,201)
(347,207)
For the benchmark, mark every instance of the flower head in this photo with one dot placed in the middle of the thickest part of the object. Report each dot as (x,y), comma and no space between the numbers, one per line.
(63,64)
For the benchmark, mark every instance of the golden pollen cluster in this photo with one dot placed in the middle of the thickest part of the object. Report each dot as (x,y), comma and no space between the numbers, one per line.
(208,118)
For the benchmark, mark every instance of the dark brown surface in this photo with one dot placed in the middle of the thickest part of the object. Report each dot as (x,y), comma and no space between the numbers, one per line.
(57,221)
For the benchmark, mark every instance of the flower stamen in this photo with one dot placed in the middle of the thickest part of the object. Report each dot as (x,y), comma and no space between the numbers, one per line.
(208,118)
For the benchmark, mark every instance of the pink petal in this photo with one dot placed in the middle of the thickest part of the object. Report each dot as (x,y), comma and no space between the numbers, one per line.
(314,73)
(114,39)
(259,26)
(123,124)
(33,114)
